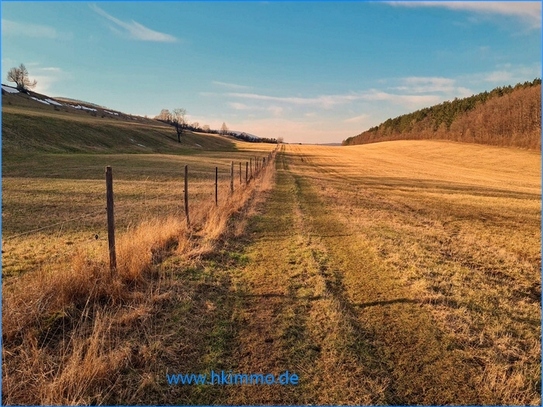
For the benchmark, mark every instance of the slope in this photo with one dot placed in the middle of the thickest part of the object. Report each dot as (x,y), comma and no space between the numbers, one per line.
(505,116)
(31,126)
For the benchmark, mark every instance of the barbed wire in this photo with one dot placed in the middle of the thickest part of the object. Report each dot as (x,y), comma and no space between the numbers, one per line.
(28,232)
(148,201)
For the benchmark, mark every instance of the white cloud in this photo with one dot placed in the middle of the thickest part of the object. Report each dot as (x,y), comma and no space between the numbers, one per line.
(51,69)
(14,28)
(498,76)
(46,77)
(506,74)
(408,101)
(240,106)
(323,101)
(273,109)
(427,84)
(230,85)
(134,29)
(358,119)
(528,12)
(446,87)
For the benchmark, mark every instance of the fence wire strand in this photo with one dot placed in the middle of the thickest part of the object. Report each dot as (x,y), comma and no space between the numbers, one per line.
(28,232)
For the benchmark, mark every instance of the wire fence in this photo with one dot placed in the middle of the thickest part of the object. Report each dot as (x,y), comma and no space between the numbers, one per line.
(135,201)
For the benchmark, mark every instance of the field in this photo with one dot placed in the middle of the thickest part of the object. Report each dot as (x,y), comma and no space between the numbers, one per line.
(67,192)
(428,255)
(403,272)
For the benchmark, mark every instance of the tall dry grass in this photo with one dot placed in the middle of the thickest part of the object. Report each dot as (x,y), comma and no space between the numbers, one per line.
(69,333)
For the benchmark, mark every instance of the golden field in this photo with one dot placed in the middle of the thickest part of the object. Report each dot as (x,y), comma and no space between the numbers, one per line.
(404,272)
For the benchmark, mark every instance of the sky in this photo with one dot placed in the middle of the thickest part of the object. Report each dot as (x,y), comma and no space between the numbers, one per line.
(311,72)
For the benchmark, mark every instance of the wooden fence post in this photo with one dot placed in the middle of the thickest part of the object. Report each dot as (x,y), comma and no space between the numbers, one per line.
(187,194)
(240,172)
(246,172)
(110,220)
(216,186)
(231,177)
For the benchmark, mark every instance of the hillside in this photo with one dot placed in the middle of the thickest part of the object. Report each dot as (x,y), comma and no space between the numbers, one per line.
(38,123)
(505,116)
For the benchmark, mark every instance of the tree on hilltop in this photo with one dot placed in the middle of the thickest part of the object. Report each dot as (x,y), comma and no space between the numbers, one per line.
(164,115)
(175,118)
(19,75)
(178,119)
(224,129)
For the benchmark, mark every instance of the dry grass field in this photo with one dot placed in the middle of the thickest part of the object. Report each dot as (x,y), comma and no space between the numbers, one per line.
(404,272)
(59,297)
(395,273)
(67,192)
(437,246)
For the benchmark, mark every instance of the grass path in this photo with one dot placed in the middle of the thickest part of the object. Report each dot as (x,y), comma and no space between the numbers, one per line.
(319,302)
(291,317)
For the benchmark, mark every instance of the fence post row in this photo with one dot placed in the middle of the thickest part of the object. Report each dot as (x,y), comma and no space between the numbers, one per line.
(216,186)
(110,220)
(232,177)
(110,203)
(187,194)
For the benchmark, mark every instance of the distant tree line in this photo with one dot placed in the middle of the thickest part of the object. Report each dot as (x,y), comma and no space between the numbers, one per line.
(507,116)
(254,139)
(177,118)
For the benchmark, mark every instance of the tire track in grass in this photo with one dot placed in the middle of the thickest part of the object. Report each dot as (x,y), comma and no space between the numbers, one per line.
(291,319)
(422,366)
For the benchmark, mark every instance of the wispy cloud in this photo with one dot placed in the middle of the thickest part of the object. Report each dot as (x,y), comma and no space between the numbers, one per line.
(331,101)
(323,101)
(231,85)
(363,118)
(46,77)
(444,86)
(511,74)
(134,29)
(527,11)
(14,28)
(273,109)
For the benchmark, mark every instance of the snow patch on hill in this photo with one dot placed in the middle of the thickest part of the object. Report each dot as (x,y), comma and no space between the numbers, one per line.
(9,89)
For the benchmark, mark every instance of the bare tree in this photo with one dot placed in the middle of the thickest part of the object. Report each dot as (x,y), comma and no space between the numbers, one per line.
(178,119)
(224,129)
(164,115)
(206,128)
(20,77)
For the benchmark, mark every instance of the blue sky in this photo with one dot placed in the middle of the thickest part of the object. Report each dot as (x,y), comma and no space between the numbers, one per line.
(306,71)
